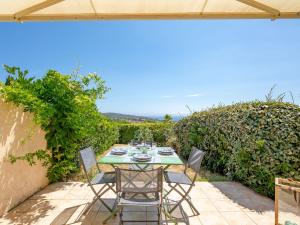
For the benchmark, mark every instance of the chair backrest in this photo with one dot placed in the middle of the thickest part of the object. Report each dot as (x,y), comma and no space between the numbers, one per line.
(88,159)
(195,159)
(139,181)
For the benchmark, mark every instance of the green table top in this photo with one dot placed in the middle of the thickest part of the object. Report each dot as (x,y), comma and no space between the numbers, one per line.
(127,158)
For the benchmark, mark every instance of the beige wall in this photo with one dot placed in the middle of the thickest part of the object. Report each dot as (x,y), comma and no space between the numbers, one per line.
(18,135)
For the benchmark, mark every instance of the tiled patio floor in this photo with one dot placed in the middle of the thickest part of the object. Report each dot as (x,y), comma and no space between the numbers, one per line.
(219,203)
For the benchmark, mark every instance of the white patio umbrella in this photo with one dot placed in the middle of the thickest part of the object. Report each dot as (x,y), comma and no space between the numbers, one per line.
(45,10)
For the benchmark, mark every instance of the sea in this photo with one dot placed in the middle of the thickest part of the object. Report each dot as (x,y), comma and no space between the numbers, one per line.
(175,117)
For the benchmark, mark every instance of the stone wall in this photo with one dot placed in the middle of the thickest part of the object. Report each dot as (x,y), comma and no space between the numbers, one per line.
(19,135)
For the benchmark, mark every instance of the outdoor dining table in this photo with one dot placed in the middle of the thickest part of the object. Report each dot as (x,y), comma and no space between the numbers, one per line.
(127,159)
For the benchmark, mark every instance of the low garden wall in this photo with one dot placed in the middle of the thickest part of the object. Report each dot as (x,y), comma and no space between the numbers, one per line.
(19,135)
(250,142)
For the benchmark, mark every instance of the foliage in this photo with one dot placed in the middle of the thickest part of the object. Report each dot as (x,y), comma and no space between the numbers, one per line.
(65,107)
(128,118)
(160,131)
(249,142)
(168,118)
(102,136)
(280,98)
(143,134)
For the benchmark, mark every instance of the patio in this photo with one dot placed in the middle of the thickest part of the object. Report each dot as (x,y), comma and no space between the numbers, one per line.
(251,134)
(228,203)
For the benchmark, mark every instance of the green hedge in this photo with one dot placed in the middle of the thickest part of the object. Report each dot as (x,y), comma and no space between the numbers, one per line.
(249,142)
(102,136)
(160,131)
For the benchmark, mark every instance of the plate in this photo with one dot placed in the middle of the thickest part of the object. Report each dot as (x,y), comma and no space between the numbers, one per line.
(166,151)
(142,157)
(118,151)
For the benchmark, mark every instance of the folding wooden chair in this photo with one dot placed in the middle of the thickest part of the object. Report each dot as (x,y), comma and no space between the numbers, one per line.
(175,180)
(107,179)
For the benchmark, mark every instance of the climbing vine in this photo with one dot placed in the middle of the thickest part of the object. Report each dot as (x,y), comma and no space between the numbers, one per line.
(65,108)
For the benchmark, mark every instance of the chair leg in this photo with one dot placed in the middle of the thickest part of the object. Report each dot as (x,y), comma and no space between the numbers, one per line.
(89,206)
(172,188)
(169,216)
(113,214)
(159,215)
(195,211)
(121,216)
(185,197)
(98,195)
(94,199)
(106,206)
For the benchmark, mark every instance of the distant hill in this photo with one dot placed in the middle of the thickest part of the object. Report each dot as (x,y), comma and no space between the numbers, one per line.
(175,117)
(119,116)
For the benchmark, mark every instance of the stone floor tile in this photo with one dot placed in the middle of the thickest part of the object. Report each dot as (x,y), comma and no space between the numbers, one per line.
(197,192)
(256,205)
(262,218)
(134,215)
(76,194)
(194,220)
(174,196)
(219,203)
(204,205)
(90,194)
(63,204)
(33,206)
(110,202)
(215,194)
(29,218)
(100,216)
(135,209)
(90,216)
(151,209)
(226,205)
(212,218)
(237,218)
(151,215)
(66,185)
(289,216)
(51,194)
(4,221)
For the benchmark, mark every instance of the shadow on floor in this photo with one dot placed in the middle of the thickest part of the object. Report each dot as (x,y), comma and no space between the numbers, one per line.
(39,206)
(244,196)
(29,212)
(98,213)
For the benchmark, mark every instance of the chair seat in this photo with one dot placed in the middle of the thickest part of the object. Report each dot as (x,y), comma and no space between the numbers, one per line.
(139,202)
(104,178)
(178,178)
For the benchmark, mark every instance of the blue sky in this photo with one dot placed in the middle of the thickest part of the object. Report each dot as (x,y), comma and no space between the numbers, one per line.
(159,67)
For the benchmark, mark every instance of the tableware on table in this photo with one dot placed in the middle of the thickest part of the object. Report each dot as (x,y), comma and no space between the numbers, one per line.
(142,157)
(166,151)
(118,151)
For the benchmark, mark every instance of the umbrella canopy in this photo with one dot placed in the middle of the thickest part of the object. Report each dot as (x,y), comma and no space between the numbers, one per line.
(39,10)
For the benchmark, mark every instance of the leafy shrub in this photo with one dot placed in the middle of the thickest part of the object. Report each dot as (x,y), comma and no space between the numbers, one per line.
(160,131)
(143,134)
(104,135)
(250,142)
(66,109)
